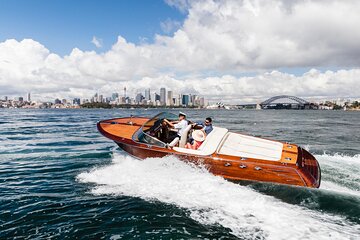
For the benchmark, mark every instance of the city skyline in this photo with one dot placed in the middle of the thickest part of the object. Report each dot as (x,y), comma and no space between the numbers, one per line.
(180,100)
(233,51)
(165,98)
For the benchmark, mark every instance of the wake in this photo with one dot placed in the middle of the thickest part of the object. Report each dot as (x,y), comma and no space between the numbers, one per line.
(212,200)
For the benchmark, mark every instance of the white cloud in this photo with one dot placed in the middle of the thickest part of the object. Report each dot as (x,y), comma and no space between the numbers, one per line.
(218,41)
(97,42)
(182,5)
(249,35)
(168,26)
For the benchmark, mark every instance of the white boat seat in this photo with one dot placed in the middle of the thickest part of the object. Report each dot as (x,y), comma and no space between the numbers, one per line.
(210,144)
(251,147)
(184,136)
(174,142)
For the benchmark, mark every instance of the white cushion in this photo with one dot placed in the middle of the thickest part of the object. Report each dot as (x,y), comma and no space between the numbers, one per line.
(174,142)
(184,136)
(210,144)
(251,147)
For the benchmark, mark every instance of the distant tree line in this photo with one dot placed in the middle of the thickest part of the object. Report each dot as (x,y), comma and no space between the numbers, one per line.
(96,105)
(355,104)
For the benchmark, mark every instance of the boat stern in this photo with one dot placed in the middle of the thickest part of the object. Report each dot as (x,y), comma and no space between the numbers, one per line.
(309,168)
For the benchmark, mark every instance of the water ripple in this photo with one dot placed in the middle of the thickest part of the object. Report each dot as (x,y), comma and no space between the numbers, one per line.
(59,178)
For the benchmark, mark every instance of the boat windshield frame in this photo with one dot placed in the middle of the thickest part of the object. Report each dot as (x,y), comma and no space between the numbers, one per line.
(143,137)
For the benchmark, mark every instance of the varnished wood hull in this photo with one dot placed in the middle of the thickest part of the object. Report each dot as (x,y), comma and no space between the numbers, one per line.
(304,170)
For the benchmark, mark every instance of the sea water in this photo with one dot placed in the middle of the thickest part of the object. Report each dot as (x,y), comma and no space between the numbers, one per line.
(60,178)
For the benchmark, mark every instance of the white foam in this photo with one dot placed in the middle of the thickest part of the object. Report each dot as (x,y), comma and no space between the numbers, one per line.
(334,187)
(212,200)
(339,158)
(344,177)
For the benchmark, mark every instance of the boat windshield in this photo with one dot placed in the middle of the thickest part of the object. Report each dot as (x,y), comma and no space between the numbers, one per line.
(144,133)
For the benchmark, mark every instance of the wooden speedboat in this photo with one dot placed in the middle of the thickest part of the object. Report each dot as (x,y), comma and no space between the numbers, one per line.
(231,155)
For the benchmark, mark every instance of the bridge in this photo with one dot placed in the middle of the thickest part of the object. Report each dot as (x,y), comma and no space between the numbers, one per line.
(285,102)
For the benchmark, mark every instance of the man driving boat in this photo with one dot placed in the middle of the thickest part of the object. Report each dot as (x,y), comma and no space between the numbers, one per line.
(179,125)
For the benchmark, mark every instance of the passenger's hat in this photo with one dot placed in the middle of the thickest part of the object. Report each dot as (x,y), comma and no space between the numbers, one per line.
(198,135)
(182,114)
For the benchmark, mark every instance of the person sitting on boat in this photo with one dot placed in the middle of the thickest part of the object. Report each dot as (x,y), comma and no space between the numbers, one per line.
(178,125)
(199,137)
(207,125)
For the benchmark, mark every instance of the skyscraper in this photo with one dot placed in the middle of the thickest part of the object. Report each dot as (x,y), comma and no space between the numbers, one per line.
(185,100)
(169,101)
(139,97)
(28,98)
(202,102)
(156,97)
(147,94)
(114,96)
(162,96)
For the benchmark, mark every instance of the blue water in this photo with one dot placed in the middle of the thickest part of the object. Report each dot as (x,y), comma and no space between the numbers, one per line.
(61,179)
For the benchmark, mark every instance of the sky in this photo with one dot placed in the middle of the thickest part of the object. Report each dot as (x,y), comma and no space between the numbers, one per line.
(231,50)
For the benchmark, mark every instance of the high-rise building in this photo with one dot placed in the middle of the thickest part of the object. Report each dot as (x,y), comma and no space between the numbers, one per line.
(21,99)
(139,97)
(178,100)
(156,97)
(190,103)
(147,94)
(28,98)
(114,96)
(185,100)
(6,98)
(202,102)
(162,96)
(169,101)
(122,100)
(124,92)
(193,100)
(101,98)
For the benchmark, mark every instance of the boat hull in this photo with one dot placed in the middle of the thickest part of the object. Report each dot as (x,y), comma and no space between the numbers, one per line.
(303,171)
(235,169)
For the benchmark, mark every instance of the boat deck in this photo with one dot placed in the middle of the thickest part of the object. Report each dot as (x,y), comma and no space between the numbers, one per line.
(116,127)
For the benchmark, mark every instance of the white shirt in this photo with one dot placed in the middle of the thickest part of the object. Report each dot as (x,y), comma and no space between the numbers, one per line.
(180,126)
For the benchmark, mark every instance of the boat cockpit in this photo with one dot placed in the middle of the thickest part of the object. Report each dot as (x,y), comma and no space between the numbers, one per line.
(155,132)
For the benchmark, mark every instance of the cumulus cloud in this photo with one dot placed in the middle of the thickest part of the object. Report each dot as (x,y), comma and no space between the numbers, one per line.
(249,35)
(97,42)
(168,26)
(182,5)
(217,42)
